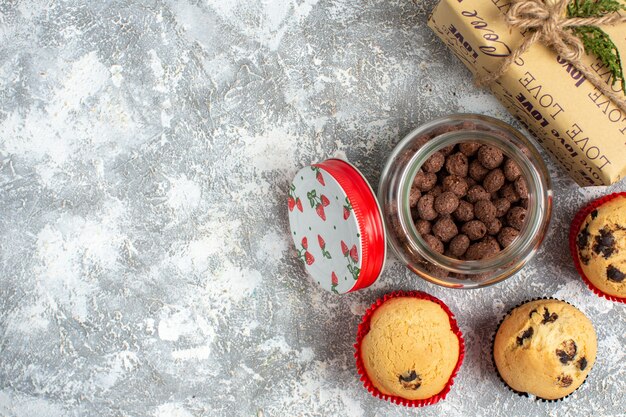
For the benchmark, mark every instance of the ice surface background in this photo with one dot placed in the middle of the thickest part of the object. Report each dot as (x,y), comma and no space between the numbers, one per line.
(146,149)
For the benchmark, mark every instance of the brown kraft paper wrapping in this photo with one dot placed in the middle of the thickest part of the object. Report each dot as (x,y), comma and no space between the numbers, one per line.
(578,125)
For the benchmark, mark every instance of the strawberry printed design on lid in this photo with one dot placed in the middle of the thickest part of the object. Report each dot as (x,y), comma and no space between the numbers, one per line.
(347,209)
(318,203)
(352,257)
(344,248)
(304,254)
(334,282)
(353,254)
(293,201)
(344,216)
(318,175)
(322,243)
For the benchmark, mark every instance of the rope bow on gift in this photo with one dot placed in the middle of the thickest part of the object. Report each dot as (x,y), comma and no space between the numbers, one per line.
(551,25)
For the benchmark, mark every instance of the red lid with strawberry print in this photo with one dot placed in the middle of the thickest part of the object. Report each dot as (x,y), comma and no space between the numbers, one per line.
(337,226)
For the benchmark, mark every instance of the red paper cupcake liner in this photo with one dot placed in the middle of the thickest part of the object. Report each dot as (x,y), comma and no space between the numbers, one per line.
(573,233)
(493,353)
(364,328)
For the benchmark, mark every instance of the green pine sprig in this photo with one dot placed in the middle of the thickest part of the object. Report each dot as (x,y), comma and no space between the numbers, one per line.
(593,8)
(596,40)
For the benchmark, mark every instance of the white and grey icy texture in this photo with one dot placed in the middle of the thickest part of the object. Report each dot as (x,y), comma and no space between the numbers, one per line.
(145,152)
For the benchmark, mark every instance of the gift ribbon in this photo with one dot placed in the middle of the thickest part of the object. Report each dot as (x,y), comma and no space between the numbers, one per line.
(549,25)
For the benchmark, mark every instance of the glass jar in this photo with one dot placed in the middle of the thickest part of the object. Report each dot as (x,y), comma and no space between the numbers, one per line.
(395,187)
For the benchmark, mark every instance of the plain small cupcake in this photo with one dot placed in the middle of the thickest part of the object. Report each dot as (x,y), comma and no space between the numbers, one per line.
(411,349)
(545,348)
(601,246)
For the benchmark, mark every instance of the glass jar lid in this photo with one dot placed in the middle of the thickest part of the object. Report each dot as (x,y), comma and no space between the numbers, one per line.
(337,226)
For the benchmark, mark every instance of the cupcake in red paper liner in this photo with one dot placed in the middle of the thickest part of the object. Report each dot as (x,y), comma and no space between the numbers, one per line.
(545,348)
(409,348)
(598,244)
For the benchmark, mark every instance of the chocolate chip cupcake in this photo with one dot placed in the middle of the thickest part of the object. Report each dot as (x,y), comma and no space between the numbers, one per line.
(409,348)
(545,348)
(598,244)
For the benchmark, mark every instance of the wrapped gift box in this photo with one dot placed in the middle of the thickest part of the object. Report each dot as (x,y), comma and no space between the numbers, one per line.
(581,128)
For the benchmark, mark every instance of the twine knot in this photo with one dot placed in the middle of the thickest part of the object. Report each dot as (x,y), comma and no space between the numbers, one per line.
(548,24)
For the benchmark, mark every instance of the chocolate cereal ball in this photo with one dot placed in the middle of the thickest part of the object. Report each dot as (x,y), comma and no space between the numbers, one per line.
(434,243)
(424,180)
(434,163)
(508,192)
(493,242)
(507,235)
(447,150)
(435,191)
(474,229)
(493,226)
(479,250)
(511,170)
(425,207)
(458,245)
(516,217)
(446,202)
(456,164)
(423,227)
(490,157)
(436,270)
(455,184)
(477,172)
(465,211)
(469,148)
(493,181)
(521,188)
(502,206)
(445,229)
(414,196)
(485,211)
(476,193)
